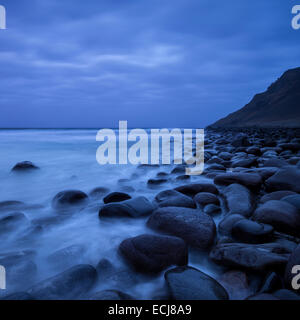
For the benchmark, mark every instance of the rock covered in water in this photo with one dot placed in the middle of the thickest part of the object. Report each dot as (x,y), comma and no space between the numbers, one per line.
(69,284)
(99,192)
(134,208)
(116,197)
(186,283)
(24,166)
(69,198)
(152,253)
(195,227)
(283,216)
(173,198)
(226,224)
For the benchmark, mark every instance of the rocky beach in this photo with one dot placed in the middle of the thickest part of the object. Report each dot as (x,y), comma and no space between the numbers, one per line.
(71,229)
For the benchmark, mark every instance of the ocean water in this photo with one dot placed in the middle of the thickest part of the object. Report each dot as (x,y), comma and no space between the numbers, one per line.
(67,160)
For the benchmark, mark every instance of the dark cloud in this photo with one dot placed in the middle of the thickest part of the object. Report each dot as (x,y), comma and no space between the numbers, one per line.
(178,63)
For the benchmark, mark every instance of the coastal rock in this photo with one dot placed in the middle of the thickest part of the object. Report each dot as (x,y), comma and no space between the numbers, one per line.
(66,285)
(277,195)
(250,180)
(251,232)
(212,209)
(186,283)
(225,226)
(99,192)
(133,208)
(67,256)
(284,179)
(192,189)
(283,216)
(173,198)
(116,197)
(152,253)
(293,200)
(69,198)
(239,200)
(244,163)
(204,198)
(24,166)
(284,294)
(196,228)
(260,257)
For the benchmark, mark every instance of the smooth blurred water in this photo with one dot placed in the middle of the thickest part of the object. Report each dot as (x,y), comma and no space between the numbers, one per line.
(67,160)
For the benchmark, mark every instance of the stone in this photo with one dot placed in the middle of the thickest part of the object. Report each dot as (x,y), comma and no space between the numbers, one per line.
(192,189)
(284,179)
(204,198)
(250,180)
(116,197)
(24,166)
(69,198)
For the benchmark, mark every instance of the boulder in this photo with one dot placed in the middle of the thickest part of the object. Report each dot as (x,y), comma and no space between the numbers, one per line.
(254,257)
(173,198)
(116,197)
(98,192)
(225,226)
(24,166)
(212,209)
(196,228)
(283,216)
(69,284)
(250,180)
(239,200)
(152,253)
(110,295)
(192,189)
(133,208)
(69,198)
(284,179)
(293,200)
(204,198)
(277,195)
(186,283)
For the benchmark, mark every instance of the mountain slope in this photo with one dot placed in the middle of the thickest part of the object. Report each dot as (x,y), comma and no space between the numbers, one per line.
(279,106)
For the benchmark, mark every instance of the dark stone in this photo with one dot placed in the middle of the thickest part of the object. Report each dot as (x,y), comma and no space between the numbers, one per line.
(69,198)
(225,226)
(293,200)
(283,216)
(285,179)
(271,283)
(110,295)
(244,163)
(260,257)
(116,197)
(155,182)
(99,192)
(239,200)
(67,285)
(250,180)
(254,150)
(133,208)
(18,296)
(173,198)
(24,166)
(152,253)
(13,221)
(178,169)
(285,294)
(241,140)
(192,189)
(275,162)
(211,209)
(277,195)
(196,228)
(252,232)
(204,198)
(183,177)
(186,283)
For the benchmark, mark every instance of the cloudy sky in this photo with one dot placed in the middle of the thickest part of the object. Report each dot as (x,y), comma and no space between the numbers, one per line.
(155,63)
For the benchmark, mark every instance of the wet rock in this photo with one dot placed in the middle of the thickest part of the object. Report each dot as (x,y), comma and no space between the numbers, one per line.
(283,216)
(252,232)
(254,150)
(225,155)
(13,221)
(134,208)
(116,197)
(239,200)
(196,228)
(99,192)
(294,260)
(66,285)
(244,163)
(253,257)
(285,294)
(152,253)
(250,180)
(192,189)
(204,198)
(69,198)
(110,295)
(284,179)
(236,284)
(293,200)
(173,198)
(225,226)
(156,182)
(271,283)
(178,169)
(294,147)
(186,283)
(274,162)
(212,209)
(183,177)
(24,166)
(277,195)
(241,140)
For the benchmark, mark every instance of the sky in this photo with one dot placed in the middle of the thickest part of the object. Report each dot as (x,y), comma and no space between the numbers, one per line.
(154,63)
